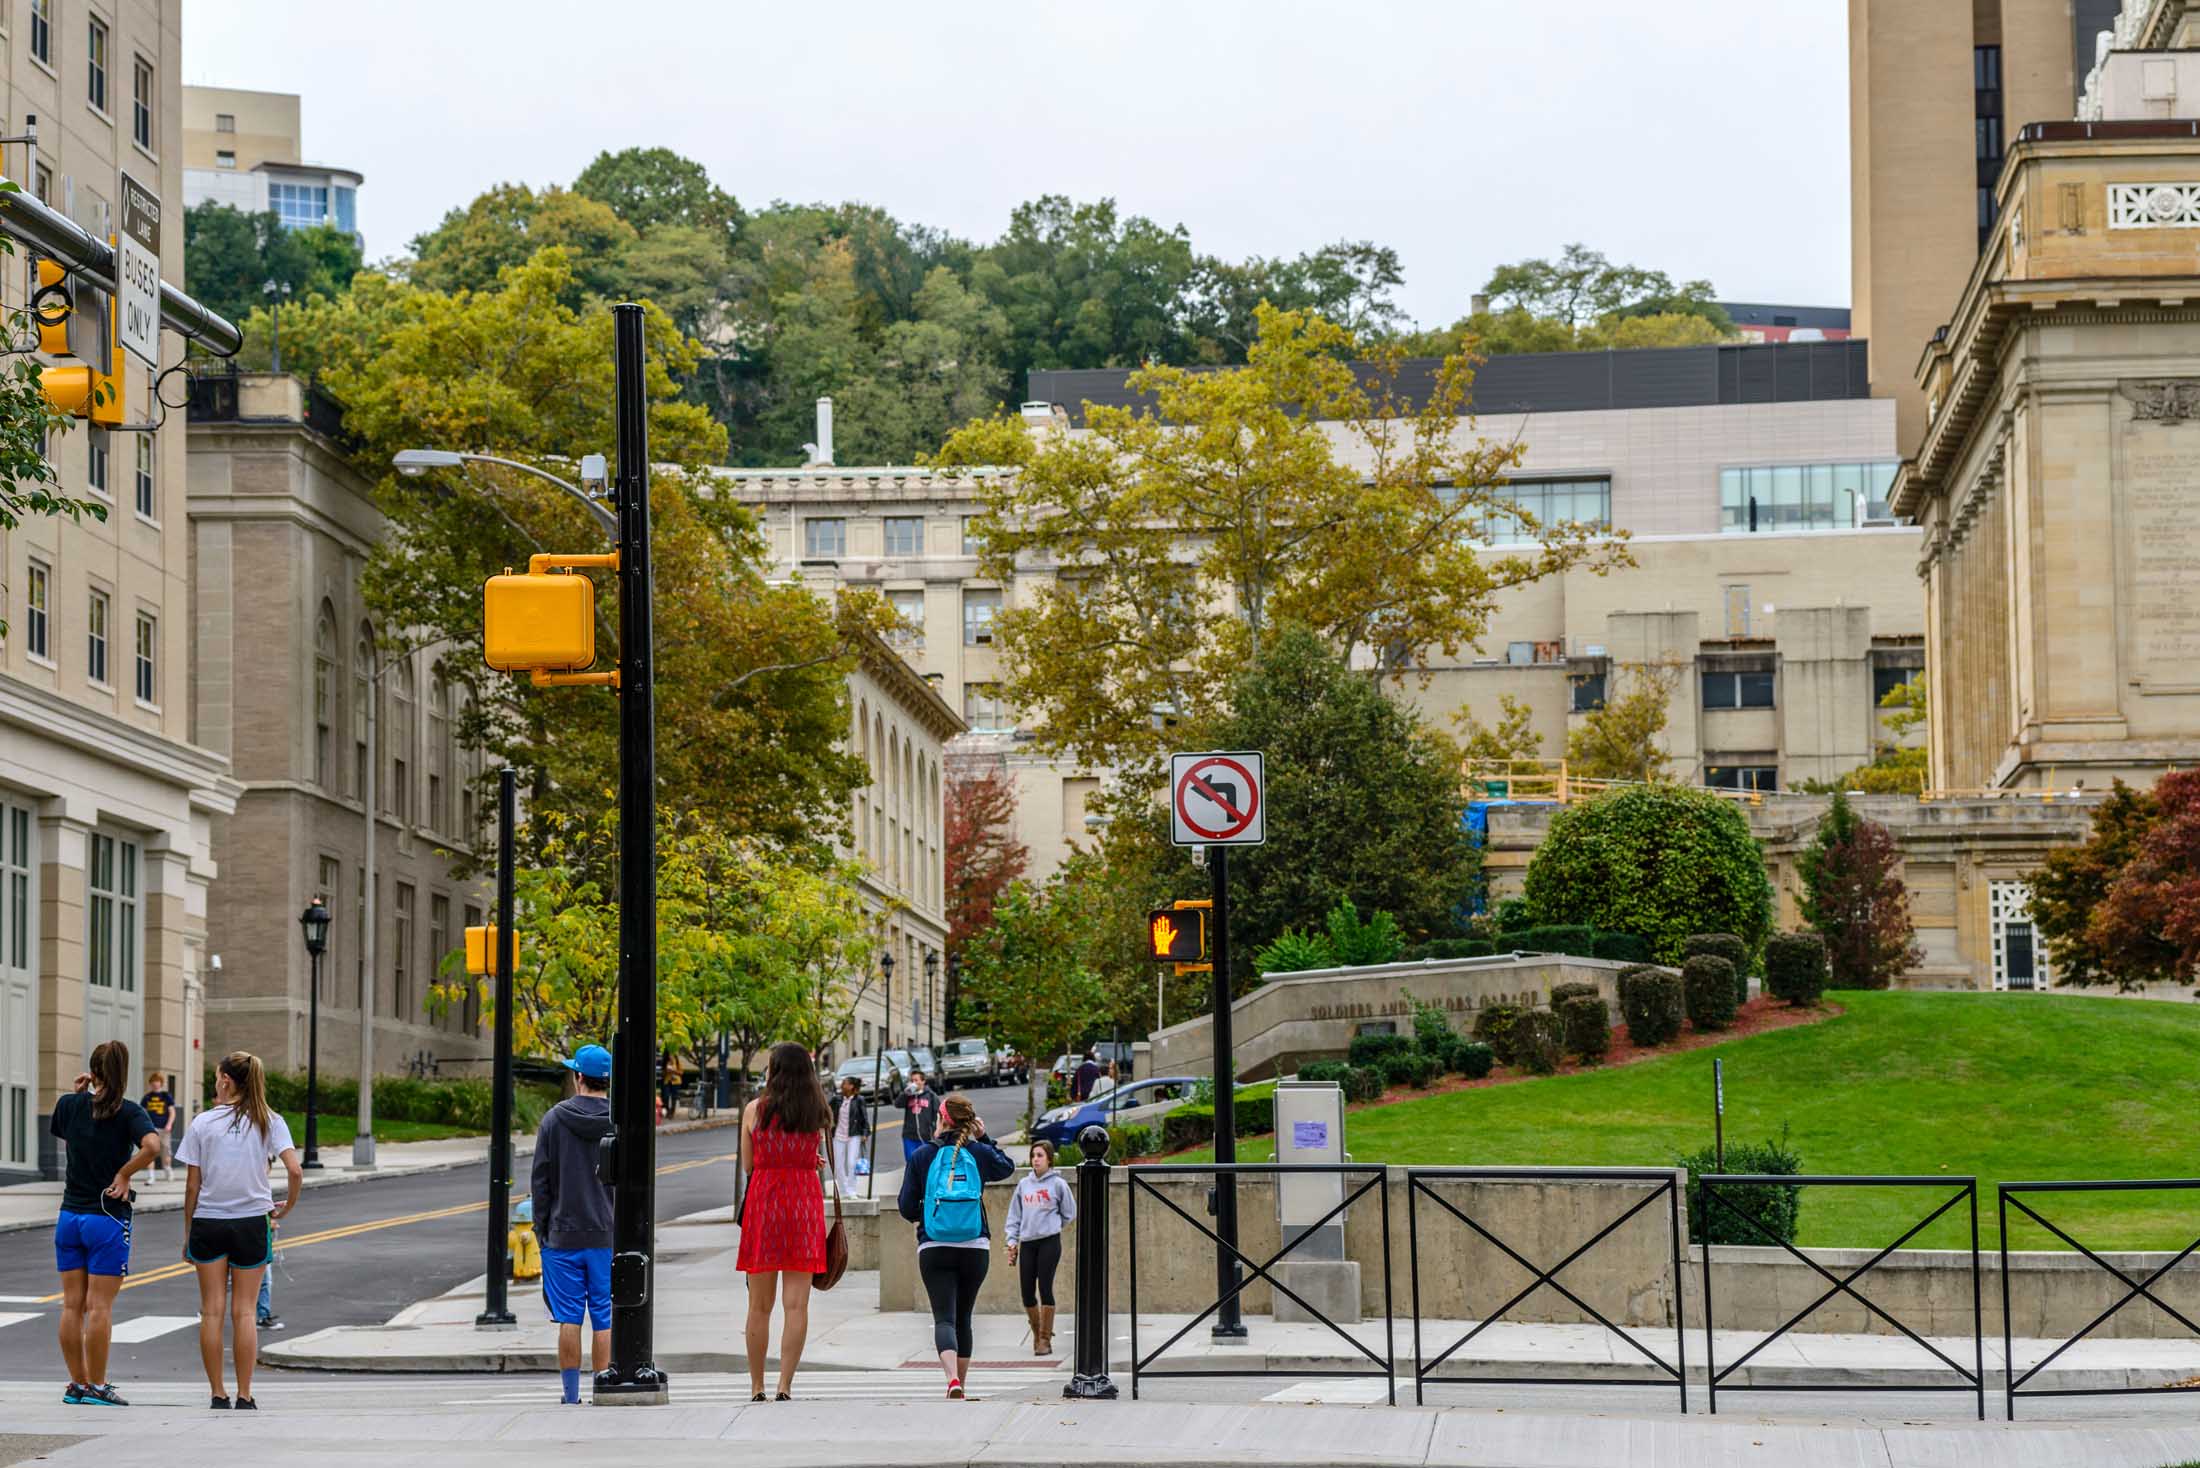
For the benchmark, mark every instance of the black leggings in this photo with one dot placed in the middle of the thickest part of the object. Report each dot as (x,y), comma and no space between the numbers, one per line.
(951,1280)
(1036,1261)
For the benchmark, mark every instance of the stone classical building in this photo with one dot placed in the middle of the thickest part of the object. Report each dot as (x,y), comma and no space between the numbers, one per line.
(107,803)
(287,684)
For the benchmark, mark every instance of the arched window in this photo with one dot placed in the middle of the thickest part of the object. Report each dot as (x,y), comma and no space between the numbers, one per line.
(439,755)
(324,695)
(892,861)
(362,682)
(403,733)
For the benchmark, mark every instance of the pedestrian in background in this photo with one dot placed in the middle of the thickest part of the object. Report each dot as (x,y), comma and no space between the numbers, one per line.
(920,1115)
(572,1212)
(782,1215)
(1041,1204)
(851,1125)
(1103,1083)
(160,1104)
(229,1213)
(943,1194)
(109,1139)
(1088,1071)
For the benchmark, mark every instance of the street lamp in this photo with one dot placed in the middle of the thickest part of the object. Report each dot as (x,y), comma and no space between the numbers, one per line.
(314,922)
(277,292)
(878,1066)
(886,975)
(931,995)
(412,463)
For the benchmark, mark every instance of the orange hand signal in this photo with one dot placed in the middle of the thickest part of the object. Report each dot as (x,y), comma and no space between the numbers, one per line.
(1164,936)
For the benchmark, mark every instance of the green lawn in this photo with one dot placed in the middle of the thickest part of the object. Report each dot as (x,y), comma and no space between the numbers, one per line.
(2002,1086)
(337,1130)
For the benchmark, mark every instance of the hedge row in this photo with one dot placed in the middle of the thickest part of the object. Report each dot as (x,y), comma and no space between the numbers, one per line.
(462,1103)
(1575,941)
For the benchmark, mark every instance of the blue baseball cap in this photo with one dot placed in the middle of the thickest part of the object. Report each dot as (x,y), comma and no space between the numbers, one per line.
(592,1061)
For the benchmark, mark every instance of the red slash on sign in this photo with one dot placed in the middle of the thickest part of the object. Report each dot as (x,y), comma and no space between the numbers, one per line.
(1231,784)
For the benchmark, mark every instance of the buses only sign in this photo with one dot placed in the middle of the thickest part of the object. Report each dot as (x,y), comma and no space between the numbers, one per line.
(1217,800)
(137,272)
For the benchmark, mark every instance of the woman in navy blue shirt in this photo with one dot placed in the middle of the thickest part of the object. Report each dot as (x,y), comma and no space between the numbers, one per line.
(110,1139)
(953,1271)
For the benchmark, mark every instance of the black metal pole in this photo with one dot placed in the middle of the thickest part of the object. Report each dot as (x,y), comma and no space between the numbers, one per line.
(1718,1114)
(878,1066)
(1090,1377)
(496,1313)
(313,1071)
(1229,1323)
(633,1376)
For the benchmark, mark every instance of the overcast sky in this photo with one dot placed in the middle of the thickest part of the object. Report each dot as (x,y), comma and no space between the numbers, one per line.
(1702,137)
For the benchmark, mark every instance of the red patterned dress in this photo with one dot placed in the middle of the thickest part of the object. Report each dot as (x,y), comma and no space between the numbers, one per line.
(783,1212)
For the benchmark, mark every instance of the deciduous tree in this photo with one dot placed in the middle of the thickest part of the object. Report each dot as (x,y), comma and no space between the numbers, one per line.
(2149,921)
(1854,897)
(1512,737)
(982,852)
(1619,741)
(2074,881)
(1030,978)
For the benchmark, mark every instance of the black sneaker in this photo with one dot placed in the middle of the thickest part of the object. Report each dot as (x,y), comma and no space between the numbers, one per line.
(271,1322)
(75,1390)
(246,1404)
(100,1396)
(218,1404)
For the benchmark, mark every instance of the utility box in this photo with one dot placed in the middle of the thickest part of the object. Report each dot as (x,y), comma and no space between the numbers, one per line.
(1310,1129)
(534,621)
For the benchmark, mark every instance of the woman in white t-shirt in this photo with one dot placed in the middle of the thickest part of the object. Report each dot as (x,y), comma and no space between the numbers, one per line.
(229,1212)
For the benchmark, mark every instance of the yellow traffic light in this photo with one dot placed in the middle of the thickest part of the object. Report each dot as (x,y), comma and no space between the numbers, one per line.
(538,622)
(481,951)
(88,388)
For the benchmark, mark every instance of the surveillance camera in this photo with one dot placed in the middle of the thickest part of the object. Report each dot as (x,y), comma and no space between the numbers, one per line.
(595,473)
(1199,857)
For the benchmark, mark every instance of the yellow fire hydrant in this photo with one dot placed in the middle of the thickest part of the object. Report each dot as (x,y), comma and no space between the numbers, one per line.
(519,1244)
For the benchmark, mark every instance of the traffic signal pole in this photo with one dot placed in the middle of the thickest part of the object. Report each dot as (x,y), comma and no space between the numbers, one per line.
(633,1377)
(1229,1323)
(496,1311)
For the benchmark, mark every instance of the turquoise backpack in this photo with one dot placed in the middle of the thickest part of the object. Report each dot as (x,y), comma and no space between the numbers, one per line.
(954,1198)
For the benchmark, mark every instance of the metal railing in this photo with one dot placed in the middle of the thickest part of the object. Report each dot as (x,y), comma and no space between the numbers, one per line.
(1971,1379)
(1141,1180)
(1666,1185)
(2133,1289)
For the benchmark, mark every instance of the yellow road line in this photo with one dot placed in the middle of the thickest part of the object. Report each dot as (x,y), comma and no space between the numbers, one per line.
(180,1268)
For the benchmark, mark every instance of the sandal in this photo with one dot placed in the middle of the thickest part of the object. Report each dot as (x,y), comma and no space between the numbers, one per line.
(784,1397)
(757,1398)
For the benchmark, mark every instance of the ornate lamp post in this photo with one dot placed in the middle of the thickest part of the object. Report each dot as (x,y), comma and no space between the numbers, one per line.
(932,995)
(314,922)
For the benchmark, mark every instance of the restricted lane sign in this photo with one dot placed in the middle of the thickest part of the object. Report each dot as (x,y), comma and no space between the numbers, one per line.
(1217,799)
(137,272)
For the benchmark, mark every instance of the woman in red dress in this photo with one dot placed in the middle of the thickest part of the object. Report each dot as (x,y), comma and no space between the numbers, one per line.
(783,1209)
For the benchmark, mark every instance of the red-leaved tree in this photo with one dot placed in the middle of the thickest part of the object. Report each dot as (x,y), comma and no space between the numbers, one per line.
(1854,897)
(983,854)
(2151,915)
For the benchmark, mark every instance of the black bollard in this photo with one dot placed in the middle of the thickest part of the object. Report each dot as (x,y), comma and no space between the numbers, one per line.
(1090,1380)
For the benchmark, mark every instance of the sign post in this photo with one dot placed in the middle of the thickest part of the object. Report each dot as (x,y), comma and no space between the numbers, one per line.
(1718,1114)
(137,272)
(1217,801)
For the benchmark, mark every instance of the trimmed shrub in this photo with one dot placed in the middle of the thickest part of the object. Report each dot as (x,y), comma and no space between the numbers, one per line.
(1432,1031)
(1538,1040)
(1187,1126)
(1776,1211)
(1412,1069)
(1294,952)
(1132,1139)
(1795,967)
(1652,1003)
(1255,1115)
(1325,1070)
(1621,948)
(1471,1058)
(1660,860)
(1560,993)
(1734,951)
(1363,1083)
(1442,948)
(461,1103)
(1493,1027)
(1574,939)
(1371,1050)
(1587,1024)
(1707,981)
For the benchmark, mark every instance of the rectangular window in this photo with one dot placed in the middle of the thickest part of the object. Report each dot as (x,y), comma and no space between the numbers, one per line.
(983,709)
(1795,497)
(144,482)
(401,959)
(344,207)
(95,64)
(95,638)
(225,122)
(95,440)
(909,607)
(147,645)
(1887,680)
(973,543)
(1737,611)
(824,539)
(980,608)
(1737,690)
(331,893)
(42,31)
(141,103)
(1588,692)
(1742,777)
(35,629)
(223,158)
(905,535)
(111,909)
(471,1020)
(42,185)
(1552,502)
(299,206)
(439,942)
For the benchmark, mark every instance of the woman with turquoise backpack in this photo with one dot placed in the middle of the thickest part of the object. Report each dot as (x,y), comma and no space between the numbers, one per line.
(943,1194)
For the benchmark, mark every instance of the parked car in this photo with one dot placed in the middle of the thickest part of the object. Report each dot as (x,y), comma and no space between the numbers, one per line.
(1012,1066)
(1120,1053)
(923,1059)
(1061,1125)
(864,1070)
(968,1062)
(1065,1067)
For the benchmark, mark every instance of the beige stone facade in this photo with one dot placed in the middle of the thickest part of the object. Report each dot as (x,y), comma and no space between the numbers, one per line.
(286,678)
(106,802)
(2054,483)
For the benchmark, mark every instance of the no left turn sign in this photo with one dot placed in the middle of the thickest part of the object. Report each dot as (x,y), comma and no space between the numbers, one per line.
(1217,800)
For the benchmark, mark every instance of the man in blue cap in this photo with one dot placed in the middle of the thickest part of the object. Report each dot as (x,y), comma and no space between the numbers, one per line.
(573,1215)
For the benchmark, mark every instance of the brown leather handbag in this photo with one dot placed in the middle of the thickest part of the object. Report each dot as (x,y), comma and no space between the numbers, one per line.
(836,1249)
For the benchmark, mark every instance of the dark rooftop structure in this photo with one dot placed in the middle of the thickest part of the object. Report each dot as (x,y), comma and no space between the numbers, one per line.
(1759,313)
(1577,382)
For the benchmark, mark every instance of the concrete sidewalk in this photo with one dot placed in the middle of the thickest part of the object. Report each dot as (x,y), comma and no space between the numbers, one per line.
(32,1205)
(1000,1434)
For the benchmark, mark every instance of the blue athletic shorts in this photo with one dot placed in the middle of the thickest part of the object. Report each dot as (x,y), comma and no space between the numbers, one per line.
(92,1242)
(577,1279)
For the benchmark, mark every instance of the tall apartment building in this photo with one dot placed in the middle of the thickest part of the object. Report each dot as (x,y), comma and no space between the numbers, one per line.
(106,802)
(1937,90)
(247,150)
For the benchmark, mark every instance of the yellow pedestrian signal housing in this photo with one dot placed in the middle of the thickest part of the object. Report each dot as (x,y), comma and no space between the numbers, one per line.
(544,622)
(1176,936)
(90,387)
(481,951)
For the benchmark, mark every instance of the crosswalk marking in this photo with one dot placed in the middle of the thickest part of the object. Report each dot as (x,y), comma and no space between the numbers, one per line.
(142,1328)
(837,1386)
(20,1299)
(15,1317)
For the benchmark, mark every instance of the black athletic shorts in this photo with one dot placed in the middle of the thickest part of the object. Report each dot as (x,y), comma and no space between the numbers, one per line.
(247,1243)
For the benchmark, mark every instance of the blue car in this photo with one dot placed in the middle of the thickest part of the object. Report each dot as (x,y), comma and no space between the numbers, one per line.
(1061,1125)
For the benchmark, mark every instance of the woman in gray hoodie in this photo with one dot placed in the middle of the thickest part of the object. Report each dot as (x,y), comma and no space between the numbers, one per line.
(1042,1204)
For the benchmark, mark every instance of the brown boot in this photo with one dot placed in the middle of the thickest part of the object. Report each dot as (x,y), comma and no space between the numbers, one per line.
(1038,1341)
(1046,1330)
